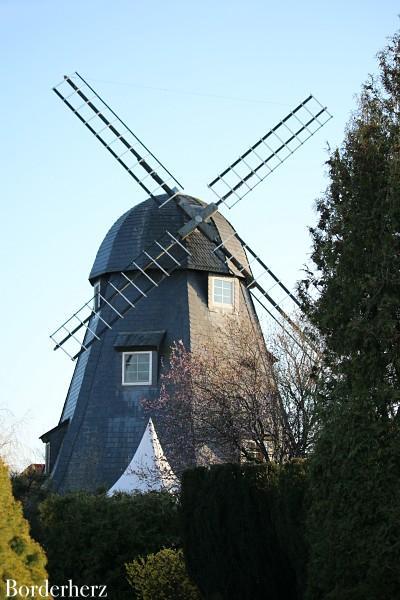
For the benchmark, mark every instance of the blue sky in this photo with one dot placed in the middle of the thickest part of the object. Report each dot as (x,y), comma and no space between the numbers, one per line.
(198,82)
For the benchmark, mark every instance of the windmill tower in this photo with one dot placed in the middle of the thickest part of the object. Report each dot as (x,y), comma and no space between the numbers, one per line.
(171,268)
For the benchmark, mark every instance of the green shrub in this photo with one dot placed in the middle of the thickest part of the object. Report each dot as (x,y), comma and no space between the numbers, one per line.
(29,488)
(243,530)
(89,538)
(162,576)
(21,558)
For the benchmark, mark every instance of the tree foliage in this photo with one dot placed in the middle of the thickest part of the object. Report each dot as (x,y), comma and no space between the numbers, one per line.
(243,530)
(89,538)
(21,558)
(355,516)
(161,576)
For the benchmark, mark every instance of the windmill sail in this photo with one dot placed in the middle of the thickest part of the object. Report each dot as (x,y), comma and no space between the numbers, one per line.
(141,276)
(270,151)
(141,164)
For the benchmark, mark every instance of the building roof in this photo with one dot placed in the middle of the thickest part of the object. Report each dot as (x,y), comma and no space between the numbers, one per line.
(148,470)
(137,229)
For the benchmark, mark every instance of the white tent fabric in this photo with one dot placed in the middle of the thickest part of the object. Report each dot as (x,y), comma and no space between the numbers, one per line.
(148,470)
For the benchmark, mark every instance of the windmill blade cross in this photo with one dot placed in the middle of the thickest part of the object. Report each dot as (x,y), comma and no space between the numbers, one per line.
(270,151)
(154,264)
(117,137)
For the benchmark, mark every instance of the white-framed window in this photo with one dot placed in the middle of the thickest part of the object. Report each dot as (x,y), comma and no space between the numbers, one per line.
(136,368)
(223,291)
(96,296)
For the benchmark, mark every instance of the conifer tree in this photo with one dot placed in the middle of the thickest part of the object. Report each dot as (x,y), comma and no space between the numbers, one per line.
(354,521)
(21,558)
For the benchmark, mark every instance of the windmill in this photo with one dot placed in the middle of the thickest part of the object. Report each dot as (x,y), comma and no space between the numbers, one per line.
(170,268)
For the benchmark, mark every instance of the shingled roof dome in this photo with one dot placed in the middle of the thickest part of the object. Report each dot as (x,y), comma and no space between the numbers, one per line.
(136,229)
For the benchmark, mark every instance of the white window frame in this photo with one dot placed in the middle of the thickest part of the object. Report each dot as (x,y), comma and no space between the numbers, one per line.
(96,296)
(149,352)
(223,304)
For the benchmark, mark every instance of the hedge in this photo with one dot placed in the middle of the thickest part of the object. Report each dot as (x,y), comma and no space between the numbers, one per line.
(243,530)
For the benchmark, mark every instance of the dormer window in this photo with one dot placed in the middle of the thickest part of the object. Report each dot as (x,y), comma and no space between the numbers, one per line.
(96,296)
(223,292)
(136,368)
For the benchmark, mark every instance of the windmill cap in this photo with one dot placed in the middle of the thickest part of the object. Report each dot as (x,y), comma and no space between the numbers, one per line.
(137,229)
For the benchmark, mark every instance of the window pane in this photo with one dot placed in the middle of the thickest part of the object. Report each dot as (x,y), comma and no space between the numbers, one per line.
(227,292)
(143,359)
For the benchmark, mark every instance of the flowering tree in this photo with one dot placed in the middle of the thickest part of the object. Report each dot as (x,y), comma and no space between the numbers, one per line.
(226,400)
